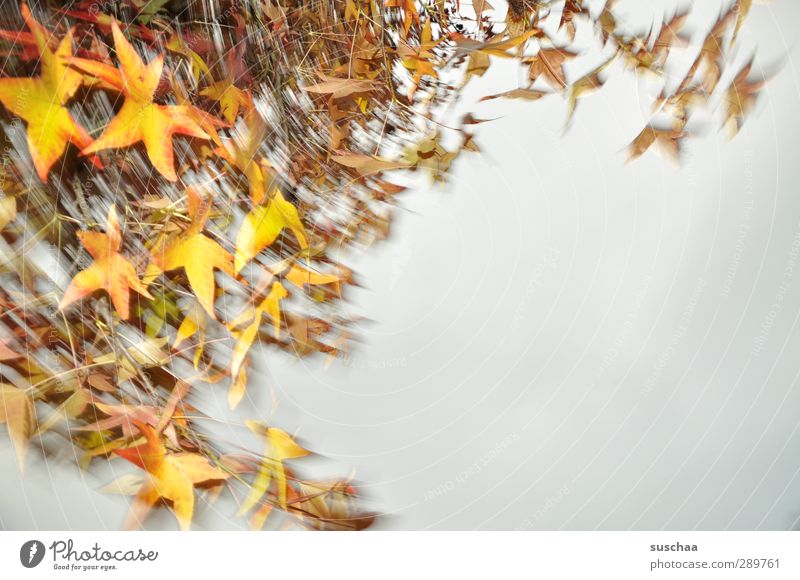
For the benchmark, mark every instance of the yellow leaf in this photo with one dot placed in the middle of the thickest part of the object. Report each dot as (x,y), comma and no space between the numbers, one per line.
(238,385)
(229,97)
(263,225)
(8,211)
(270,305)
(171,476)
(69,409)
(41,101)
(279,447)
(18,413)
(196,253)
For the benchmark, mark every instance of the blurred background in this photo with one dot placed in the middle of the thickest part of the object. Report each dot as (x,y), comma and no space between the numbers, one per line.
(555,339)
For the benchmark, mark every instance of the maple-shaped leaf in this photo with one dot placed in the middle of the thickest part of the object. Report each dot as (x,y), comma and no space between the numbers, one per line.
(230,98)
(242,153)
(17,412)
(549,62)
(711,53)
(280,446)
(588,83)
(740,98)
(195,252)
(270,306)
(670,34)
(667,139)
(140,119)
(170,476)
(177,44)
(110,271)
(263,225)
(40,101)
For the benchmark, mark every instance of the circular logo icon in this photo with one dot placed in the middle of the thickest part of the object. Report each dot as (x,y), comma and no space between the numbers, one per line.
(31,553)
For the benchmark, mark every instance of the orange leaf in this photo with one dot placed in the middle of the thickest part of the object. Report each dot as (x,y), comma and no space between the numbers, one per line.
(140,119)
(110,271)
(172,476)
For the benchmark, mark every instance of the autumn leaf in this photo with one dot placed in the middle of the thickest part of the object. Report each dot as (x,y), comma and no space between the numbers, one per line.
(549,62)
(178,45)
(193,322)
(588,83)
(263,225)
(500,47)
(8,211)
(242,153)
(340,88)
(230,98)
(69,409)
(524,94)
(17,412)
(41,101)
(140,353)
(410,14)
(170,476)
(477,65)
(569,11)
(670,34)
(668,139)
(742,10)
(269,306)
(712,51)
(280,446)
(110,271)
(367,164)
(140,119)
(740,98)
(196,253)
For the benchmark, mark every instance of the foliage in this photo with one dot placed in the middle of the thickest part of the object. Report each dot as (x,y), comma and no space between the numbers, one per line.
(199,167)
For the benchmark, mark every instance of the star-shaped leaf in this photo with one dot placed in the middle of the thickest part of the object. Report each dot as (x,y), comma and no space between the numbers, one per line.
(196,253)
(279,447)
(230,98)
(270,306)
(549,62)
(40,101)
(263,225)
(170,476)
(140,119)
(110,271)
